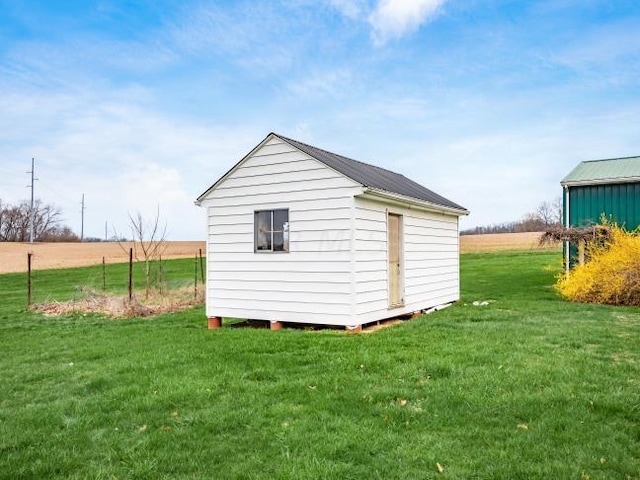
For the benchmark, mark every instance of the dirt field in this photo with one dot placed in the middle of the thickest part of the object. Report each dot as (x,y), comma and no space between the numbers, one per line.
(13,256)
(493,242)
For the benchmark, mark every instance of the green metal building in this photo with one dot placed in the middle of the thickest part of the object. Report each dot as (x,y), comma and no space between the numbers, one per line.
(602,187)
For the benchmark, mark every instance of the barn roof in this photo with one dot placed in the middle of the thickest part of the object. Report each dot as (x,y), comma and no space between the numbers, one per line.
(371,176)
(612,170)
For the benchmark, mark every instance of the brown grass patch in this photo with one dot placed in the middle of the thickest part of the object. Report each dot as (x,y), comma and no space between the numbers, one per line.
(119,306)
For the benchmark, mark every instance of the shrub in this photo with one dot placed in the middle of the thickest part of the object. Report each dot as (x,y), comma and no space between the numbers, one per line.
(611,275)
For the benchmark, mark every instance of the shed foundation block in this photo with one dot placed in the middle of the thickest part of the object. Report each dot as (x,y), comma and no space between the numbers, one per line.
(276,325)
(214,323)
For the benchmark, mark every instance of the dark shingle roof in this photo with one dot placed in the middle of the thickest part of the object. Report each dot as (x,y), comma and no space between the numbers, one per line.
(371,176)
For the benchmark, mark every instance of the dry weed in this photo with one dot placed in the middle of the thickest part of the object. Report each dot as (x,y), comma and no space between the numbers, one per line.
(119,306)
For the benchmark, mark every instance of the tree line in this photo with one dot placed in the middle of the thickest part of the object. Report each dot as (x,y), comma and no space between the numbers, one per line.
(547,215)
(15,223)
(47,223)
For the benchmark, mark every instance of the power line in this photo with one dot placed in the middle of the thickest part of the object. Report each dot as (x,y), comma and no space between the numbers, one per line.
(57,193)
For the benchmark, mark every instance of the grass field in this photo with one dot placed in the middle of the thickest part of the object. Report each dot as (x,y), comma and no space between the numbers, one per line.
(526,387)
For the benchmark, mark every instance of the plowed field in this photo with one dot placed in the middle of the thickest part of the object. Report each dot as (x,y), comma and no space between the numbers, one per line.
(13,256)
(495,242)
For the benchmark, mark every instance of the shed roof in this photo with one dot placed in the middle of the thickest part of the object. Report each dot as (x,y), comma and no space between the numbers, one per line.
(369,176)
(612,170)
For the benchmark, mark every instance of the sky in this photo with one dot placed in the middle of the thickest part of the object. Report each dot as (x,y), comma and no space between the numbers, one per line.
(142,105)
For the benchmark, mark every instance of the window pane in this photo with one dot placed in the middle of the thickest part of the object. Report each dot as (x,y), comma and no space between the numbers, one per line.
(280,217)
(285,236)
(281,225)
(278,242)
(263,230)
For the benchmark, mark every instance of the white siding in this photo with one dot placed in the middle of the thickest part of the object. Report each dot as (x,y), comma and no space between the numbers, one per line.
(430,251)
(312,282)
(432,271)
(371,260)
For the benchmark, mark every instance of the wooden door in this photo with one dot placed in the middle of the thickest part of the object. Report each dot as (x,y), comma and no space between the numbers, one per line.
(394,254)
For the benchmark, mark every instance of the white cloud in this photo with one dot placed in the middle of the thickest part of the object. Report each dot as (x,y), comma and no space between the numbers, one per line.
(150,188)
(123,155)
(253,35)
(396,18)
(500,174)
(608,53)
(321,84)
(349,8)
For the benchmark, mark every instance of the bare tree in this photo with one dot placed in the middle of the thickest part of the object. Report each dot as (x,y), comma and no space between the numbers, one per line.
(550,213)
(15,223)
(15,219)
(45,219)
(558,208)
(530,222)
(60,234)
(3,216)
(149,242)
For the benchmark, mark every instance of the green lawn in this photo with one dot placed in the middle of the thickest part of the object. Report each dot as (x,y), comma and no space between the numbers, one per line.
(526,387)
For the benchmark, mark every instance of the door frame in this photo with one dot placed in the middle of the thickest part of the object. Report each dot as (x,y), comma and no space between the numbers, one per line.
(400,284)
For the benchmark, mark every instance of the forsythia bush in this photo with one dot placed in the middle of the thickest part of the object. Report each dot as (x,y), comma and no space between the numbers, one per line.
(611,275)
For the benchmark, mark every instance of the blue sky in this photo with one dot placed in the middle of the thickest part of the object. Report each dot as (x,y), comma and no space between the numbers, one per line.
(140,104)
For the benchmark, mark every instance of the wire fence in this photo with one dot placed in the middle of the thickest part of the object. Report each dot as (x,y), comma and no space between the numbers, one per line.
(135,287)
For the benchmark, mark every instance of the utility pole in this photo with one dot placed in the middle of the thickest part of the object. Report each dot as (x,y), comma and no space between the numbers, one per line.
(32,211)
(82,219)
(105,231)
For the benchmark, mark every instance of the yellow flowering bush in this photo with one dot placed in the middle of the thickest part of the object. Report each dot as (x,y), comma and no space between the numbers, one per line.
(611,275)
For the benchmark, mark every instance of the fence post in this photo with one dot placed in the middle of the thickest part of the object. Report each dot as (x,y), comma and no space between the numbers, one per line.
(202,277)
(29,255)
(130,274)
(104,276)
(195,277)
(581,251)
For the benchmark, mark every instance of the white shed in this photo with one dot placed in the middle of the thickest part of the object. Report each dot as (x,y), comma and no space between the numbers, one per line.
(299,234)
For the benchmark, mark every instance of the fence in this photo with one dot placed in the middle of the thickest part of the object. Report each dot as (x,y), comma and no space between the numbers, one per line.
(136,282)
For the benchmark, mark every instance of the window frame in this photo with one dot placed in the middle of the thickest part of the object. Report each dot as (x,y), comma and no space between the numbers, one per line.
(271,231)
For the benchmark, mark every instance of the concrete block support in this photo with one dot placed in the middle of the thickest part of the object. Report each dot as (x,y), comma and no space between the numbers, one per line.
(214,323)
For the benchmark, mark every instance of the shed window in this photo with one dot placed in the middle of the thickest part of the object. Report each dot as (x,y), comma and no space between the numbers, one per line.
(271,230)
